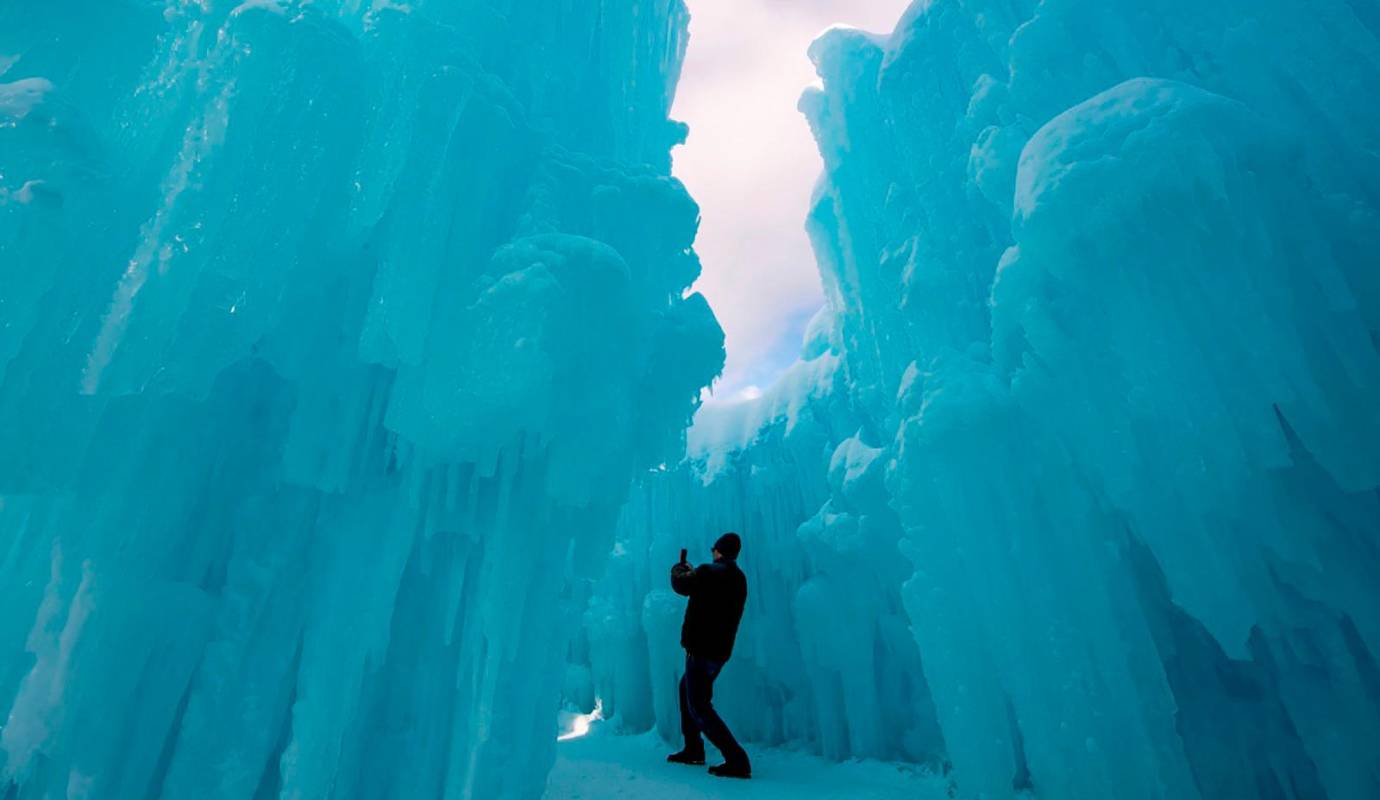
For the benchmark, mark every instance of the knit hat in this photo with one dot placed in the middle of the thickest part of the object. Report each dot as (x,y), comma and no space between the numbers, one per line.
(728,545)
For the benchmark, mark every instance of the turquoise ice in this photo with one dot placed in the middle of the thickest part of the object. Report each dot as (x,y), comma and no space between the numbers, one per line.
(349,355)
(330,337)
(1074,488)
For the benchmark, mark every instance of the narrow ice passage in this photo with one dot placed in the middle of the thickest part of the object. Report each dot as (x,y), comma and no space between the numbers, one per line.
(1073,490)
(349,358)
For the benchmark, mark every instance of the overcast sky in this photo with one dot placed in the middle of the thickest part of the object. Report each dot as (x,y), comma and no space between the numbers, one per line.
(751,164)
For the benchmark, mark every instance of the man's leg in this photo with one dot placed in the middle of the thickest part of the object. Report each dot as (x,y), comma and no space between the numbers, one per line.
(699,686)
(694,745)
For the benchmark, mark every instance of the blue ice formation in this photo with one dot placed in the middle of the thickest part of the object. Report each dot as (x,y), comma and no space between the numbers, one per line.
(331,336)
(1075,490)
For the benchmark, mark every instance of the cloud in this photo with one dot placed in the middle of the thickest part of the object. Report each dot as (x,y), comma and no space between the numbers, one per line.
(751,164)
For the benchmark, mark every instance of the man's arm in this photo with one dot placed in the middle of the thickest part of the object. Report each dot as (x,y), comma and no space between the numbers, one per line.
(683,579)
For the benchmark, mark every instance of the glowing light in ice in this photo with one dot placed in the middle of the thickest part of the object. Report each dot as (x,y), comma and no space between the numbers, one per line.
(581,724)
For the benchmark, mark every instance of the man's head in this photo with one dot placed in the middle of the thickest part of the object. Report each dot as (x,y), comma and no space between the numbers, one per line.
(728,546)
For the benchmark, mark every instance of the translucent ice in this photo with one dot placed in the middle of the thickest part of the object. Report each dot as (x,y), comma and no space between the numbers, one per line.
(1075,486)
(331,334)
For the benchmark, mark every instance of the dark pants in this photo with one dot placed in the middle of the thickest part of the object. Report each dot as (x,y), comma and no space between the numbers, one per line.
(697,712)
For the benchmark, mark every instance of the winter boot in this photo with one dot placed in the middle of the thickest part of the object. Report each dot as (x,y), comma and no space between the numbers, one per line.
(731,770)
(687,756)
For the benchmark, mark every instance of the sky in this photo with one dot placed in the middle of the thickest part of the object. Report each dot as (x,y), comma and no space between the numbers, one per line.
(751,164)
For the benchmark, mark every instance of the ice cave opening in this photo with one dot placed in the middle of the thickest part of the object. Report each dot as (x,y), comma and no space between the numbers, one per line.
(352,374)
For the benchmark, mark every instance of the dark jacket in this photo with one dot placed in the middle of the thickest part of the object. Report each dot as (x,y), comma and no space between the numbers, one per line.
(717,593)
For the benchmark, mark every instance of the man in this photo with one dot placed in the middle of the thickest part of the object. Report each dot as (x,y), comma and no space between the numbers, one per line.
(717,594)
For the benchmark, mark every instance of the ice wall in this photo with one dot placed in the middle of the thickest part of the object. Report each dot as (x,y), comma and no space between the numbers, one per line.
(1104,300)
(331,334)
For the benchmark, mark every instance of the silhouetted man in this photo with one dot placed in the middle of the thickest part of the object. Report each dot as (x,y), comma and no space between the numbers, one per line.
(717,594)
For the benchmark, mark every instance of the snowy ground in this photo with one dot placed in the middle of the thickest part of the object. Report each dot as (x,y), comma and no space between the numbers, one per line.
(604,766)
